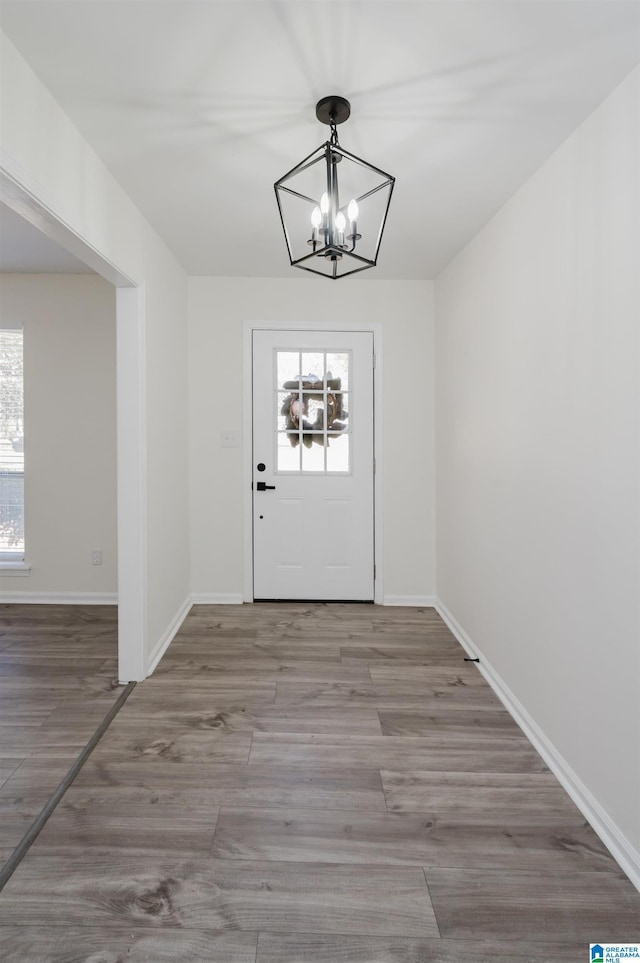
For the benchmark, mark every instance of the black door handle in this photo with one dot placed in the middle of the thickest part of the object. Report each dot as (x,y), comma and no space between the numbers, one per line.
(262,487)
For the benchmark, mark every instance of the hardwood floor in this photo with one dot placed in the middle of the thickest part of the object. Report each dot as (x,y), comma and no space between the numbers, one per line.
(297,783)
(58,679)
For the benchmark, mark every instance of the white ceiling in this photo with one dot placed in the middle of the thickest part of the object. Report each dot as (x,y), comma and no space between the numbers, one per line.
(198,107)
(26,250)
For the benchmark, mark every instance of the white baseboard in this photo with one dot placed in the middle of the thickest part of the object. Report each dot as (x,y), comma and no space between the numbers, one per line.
(415,601)
(457,629)
(168,635)
(622,850)
(60,598)
(217,598)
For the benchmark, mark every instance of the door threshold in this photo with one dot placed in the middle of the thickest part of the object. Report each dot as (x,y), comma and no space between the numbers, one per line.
(322,601)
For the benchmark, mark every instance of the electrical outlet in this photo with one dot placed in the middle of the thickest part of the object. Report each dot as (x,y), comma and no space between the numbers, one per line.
(96,557)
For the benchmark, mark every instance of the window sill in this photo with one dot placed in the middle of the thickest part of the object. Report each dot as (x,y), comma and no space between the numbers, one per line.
(14,568)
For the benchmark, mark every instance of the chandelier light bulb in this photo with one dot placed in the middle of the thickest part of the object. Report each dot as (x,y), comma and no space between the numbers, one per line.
(316,217)
(352,210)
(324,203)
(341,222)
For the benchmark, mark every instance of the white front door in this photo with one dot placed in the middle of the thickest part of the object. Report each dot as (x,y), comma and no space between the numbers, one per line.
(313,465)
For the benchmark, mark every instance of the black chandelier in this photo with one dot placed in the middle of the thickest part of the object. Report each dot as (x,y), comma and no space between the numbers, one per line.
(334,204)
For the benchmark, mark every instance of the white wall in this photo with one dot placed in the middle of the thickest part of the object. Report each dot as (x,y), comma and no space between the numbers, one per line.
(217,309)
(45,157)
(69,326)
(538,463)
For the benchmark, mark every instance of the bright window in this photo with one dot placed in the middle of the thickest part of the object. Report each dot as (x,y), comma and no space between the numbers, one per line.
(11,446)
(313,430)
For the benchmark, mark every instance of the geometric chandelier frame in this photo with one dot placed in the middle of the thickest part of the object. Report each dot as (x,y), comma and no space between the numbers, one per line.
(333,205)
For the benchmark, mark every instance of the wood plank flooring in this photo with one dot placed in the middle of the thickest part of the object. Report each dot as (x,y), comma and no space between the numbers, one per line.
(297,783)
(58,680)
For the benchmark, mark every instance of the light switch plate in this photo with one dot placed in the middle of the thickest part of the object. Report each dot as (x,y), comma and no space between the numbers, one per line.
(229,438)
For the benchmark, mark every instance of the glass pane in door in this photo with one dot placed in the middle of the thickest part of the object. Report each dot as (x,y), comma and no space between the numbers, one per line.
(311,411)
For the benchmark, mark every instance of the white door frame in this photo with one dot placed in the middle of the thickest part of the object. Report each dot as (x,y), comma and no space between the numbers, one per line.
(247,433)
(24,199)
